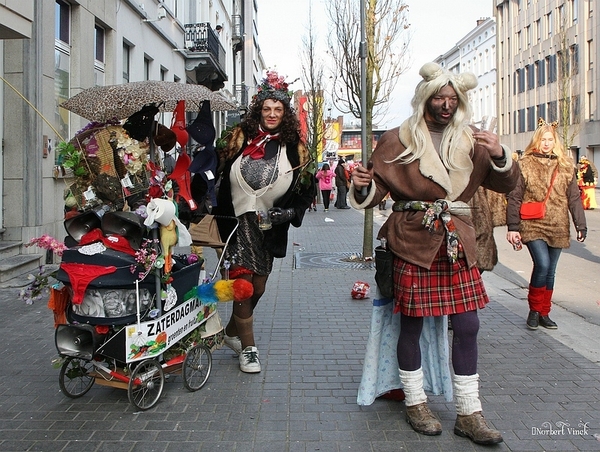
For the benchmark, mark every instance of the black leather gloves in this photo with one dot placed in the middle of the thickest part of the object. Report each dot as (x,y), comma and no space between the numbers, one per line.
(279,215)
(581,235)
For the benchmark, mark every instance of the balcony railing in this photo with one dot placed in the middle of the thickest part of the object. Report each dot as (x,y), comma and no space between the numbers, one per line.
(201,38)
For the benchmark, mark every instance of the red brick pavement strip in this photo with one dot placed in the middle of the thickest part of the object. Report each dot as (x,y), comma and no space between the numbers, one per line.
(311,335)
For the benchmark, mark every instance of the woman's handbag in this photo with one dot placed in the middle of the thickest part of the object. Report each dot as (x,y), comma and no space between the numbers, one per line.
(384,264)
(533,210)
(536,210)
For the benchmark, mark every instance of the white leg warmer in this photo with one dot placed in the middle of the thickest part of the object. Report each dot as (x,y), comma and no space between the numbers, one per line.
(412,382)
(466,392)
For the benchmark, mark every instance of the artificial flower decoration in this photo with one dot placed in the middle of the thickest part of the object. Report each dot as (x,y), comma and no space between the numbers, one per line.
(133,153)
(147,257)
(40,283)
(274,86)
(48,243)
(273,81)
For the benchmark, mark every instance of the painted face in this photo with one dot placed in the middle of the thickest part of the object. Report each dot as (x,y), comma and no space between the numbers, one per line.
(271,115)
(442,106)
(547,142)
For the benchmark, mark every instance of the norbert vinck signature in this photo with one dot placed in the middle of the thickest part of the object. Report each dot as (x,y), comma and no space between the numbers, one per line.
(561,428)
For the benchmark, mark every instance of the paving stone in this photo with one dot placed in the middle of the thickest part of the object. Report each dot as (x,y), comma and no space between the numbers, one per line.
(311,336)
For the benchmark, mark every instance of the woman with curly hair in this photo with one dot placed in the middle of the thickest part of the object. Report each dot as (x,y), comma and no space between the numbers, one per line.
(546,171)
(263,170)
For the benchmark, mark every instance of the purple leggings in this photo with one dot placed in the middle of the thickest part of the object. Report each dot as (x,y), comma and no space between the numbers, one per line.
(465,327)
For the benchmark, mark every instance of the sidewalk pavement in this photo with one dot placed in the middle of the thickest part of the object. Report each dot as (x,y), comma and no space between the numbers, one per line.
(541,393)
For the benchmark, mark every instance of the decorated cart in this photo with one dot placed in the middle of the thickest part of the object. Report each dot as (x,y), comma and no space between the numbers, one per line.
(134,311)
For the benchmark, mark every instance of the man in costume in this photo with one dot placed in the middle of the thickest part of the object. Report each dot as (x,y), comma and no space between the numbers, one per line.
(341,184)
(587,179)
(263,169)
(432,165)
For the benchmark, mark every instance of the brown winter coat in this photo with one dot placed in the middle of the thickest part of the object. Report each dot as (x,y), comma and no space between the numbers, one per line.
(554,228)
(482,217)
(497,202)
(427,179)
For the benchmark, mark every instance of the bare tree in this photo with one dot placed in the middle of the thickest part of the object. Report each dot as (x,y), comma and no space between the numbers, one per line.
(567,87)
(387,39)
(312,78)
(386,25)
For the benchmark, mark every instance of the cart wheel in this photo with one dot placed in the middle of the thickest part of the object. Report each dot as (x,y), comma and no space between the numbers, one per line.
(146,384)
(196,367)
(75,377)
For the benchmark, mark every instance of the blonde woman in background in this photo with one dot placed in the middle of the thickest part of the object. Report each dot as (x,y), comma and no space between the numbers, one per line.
(545,237)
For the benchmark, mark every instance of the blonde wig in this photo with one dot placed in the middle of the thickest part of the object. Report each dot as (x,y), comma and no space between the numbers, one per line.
(434,79)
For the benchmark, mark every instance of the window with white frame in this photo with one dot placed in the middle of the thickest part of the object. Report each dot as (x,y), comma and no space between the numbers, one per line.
(99,55)
(146,68)
(573,10)
(540,67)
(126,62)
(62,62)
(562,17)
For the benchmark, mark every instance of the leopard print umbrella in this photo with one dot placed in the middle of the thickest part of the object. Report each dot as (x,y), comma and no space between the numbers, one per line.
(103,103)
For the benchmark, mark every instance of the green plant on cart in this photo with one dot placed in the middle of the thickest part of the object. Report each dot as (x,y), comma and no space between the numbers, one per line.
(72,158)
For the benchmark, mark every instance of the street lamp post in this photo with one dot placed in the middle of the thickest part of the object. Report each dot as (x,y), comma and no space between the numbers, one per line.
(363,89)
(363,84)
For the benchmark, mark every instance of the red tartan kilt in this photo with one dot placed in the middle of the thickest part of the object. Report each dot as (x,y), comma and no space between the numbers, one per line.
(444,289)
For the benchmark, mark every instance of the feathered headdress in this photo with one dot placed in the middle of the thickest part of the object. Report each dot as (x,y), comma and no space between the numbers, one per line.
(274,86)
(542,122)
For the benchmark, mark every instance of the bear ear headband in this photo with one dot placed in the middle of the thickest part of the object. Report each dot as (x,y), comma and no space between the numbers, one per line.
(542,122)
(464,81)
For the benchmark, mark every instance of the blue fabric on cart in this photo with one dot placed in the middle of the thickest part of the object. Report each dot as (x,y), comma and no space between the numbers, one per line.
(380,368)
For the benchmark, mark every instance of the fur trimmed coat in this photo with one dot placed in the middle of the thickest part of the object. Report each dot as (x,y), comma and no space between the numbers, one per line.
(483,221)
(299,196)
(554,228)
(427,179)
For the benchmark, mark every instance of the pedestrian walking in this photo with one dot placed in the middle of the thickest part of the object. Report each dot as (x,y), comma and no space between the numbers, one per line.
(341,184)
(547,182)
(432,165)
(325,177)
(263,171)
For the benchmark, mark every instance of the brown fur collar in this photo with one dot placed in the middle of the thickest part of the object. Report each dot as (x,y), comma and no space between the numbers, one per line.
(431,166)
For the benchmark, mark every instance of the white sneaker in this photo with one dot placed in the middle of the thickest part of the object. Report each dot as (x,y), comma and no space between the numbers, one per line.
(234,343)
(249,362)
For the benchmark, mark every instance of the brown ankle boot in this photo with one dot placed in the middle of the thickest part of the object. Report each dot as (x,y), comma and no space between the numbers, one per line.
(475,427)
(422,420)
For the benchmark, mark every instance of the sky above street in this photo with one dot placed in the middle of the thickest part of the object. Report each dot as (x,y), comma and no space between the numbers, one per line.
(436,25)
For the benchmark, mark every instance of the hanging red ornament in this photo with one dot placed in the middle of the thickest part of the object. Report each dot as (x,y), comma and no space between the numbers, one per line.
(178,123)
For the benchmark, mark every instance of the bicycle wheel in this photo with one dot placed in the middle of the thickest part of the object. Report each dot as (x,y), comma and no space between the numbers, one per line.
(196,367)
(75,379)
(146,384)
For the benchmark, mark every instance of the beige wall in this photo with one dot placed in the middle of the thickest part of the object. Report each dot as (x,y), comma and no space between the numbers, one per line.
(16,17)
(515,52)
